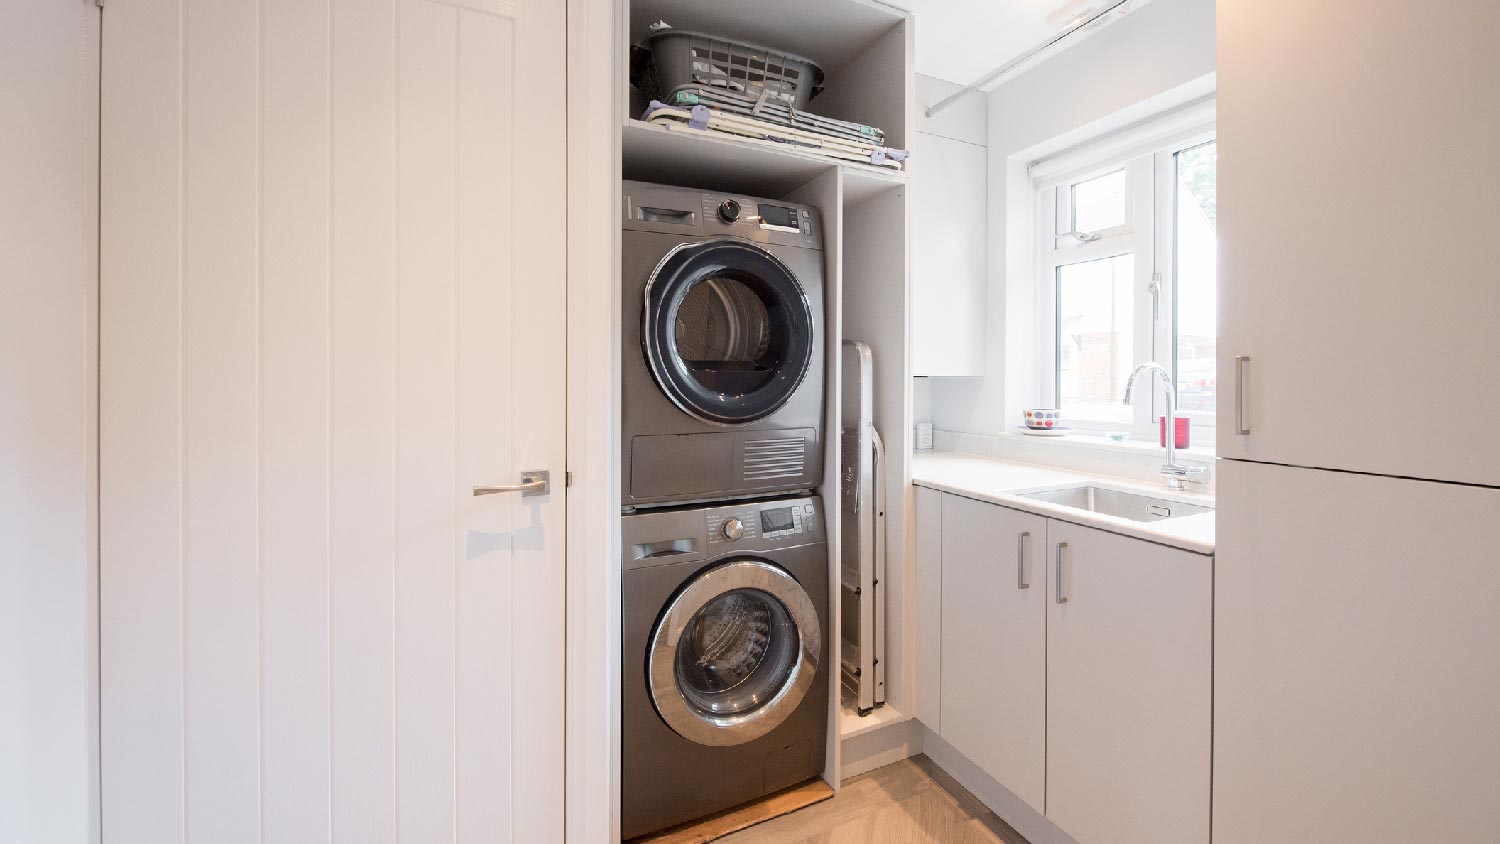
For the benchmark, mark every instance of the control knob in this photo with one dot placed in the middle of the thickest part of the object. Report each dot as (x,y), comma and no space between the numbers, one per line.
(729,211)
(733,529)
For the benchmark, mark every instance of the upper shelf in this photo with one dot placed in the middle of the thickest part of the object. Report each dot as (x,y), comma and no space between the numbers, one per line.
(697,159)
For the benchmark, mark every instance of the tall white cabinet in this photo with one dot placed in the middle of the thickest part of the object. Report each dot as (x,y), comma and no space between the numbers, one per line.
(949,234)
(1357,182)
(1355,628)
(1355,680)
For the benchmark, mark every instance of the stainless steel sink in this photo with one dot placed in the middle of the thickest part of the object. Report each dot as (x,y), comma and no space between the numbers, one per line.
(1124,505)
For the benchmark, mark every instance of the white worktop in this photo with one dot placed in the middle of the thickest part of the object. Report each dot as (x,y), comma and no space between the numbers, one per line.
(1003,481)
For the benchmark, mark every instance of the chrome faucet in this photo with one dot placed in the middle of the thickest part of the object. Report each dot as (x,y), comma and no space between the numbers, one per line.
(1171,470)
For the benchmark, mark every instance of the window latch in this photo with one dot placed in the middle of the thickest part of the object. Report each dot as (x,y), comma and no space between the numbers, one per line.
(1155,288)
(1081,237)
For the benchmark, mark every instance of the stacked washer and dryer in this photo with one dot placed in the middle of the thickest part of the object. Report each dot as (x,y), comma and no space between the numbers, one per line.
(725,673)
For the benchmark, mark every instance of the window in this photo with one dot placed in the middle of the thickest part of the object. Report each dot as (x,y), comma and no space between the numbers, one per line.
(1129,257)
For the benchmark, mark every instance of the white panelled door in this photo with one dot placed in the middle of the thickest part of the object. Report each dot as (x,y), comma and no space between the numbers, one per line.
(332,304)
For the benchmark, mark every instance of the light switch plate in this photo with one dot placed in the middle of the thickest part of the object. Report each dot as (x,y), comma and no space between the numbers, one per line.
(924,436)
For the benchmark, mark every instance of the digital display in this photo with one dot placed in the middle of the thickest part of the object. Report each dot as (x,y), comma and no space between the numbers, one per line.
(776,215)
(774,520)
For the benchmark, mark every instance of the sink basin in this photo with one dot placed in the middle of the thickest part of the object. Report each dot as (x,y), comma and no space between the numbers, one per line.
(1111,502)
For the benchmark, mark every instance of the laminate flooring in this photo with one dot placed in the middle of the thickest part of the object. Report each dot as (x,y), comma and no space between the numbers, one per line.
(910,802)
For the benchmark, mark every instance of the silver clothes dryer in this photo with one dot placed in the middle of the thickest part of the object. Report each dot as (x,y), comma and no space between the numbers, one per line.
(722,359)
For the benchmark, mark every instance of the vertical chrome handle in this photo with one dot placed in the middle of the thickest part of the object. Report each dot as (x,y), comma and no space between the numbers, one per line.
(1239,395)
(1061,598)
(1023,579)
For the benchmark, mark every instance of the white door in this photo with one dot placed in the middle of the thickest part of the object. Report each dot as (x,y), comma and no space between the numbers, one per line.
(1129,687)
(994,650)
(1355,194)
(332,303)
(1356,644)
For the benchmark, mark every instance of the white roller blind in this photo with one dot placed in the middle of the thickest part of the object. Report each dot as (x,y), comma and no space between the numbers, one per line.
(1123,144)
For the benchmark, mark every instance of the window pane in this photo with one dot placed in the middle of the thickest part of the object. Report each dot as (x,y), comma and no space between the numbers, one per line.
(1197,277)
(1099,203)
(1096,337)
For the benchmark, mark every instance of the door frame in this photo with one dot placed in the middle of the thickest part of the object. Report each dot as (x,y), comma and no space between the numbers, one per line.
(595,114)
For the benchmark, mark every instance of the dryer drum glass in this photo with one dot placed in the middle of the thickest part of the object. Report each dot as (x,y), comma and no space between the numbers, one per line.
(736,653)
(723,335)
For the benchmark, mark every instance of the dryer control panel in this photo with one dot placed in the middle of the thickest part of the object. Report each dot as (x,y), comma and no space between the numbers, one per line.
(763,220)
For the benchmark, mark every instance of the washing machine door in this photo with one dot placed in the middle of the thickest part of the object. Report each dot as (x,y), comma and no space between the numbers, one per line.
(727,331)
(734,653)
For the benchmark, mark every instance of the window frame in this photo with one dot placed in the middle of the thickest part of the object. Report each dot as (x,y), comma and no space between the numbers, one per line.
(1149,233)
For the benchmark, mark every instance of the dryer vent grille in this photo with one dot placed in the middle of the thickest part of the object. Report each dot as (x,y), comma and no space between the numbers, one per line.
(769,460)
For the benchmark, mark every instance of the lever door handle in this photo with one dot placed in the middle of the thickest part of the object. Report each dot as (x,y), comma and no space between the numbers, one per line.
(532,483)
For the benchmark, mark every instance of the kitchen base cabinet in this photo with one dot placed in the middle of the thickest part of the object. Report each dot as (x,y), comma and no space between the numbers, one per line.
(1129,689)
(1357,659)
(994,642)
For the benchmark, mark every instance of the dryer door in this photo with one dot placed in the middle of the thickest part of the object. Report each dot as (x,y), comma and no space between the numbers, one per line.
(727,331)
(734,653)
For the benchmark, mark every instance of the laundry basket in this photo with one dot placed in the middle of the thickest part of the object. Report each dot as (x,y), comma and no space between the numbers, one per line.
(684,58)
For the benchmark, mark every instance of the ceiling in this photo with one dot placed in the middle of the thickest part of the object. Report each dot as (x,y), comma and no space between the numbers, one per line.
(962,40)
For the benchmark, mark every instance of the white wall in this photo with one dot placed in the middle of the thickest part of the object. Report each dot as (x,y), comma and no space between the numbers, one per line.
(1159,56)
(48,90)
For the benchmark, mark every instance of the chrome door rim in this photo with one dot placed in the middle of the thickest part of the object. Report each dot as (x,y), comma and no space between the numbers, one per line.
(726,730)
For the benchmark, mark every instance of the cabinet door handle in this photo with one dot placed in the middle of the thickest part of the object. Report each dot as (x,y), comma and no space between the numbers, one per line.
(1023,575)
(1061,598)
(1239,395)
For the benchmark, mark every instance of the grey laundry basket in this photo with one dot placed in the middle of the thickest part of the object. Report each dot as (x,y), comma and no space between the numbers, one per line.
(695,58)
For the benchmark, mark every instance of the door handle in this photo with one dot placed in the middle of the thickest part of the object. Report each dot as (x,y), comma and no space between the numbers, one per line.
(1023,580)
(1061,598)
(532,483)
(1239,395)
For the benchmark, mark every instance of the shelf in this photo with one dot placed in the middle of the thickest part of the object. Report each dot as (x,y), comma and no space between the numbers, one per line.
(851,724)
(698,159)
(860,184)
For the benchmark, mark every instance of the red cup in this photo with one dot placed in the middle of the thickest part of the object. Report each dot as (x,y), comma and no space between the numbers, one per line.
(1184,428)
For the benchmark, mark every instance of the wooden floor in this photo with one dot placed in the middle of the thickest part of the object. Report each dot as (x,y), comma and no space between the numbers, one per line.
(910,802)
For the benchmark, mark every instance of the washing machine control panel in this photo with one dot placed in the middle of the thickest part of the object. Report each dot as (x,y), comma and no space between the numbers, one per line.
(767,521)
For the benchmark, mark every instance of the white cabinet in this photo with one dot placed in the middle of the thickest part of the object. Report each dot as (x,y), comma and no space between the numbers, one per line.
(948,256)
(929,505)
(1129,685)
(1096,711)
(1355,194)
(994,650)
(1356,645)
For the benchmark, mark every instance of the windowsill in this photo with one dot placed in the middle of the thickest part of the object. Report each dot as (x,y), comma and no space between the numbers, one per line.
(1084,439)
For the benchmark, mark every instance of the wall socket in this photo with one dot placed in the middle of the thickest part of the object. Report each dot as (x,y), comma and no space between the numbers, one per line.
(924,436)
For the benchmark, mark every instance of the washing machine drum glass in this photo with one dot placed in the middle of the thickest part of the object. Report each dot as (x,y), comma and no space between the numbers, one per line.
(734,653)
(727,331)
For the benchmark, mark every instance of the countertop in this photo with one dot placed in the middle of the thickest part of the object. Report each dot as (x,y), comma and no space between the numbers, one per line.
(1002,481)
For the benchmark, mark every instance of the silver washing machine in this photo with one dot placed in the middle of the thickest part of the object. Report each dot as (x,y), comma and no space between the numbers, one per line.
(722,365)
(724,659)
